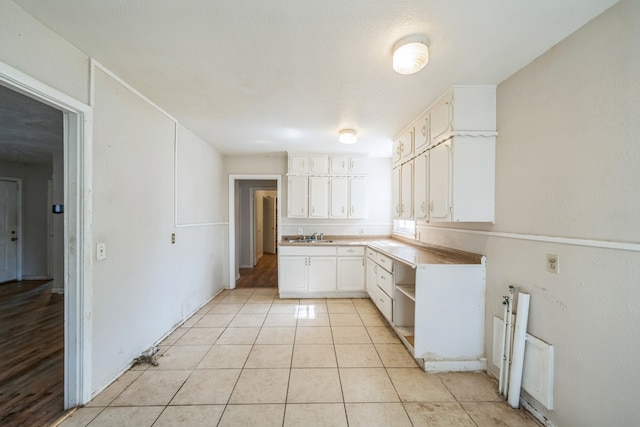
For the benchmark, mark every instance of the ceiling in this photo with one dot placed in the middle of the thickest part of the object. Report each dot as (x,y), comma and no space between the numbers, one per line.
(30,131)
(252,76)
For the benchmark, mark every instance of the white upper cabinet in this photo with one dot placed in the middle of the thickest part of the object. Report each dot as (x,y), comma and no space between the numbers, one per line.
(467,109)
(358,165)
(298,163)
(396,181)
(403,147)
(421,187)
(339,164)
(406,191)
(358,197)
(422,134)
(318,197)
(318,164)
(297,196)
(439,183)
(324,185)
(462,180)
(339,197)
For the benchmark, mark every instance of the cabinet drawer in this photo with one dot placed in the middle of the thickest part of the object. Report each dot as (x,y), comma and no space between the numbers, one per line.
(371,254)
(385,262)
(307,250)
(350,251)
(385,281)
(384,304)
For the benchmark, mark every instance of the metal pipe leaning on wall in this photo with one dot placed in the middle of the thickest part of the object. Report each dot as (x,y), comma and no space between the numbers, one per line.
(505,353)
(519,340)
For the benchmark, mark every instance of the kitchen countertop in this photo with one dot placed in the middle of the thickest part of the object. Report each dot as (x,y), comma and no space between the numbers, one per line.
(399,249)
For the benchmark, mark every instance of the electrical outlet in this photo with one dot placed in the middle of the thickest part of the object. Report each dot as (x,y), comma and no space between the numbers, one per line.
(300,231)
(101,251)
(361,231)
(553,263)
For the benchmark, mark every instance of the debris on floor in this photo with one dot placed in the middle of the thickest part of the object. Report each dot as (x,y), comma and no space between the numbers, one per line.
(147,357)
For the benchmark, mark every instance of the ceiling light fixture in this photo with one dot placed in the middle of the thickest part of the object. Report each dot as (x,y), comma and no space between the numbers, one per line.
(410,54)
(348,136)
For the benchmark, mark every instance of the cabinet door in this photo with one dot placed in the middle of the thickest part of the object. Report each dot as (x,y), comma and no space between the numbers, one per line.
(318,197)
(358,165)
(396,155)
(372,278)
(406,194)
(297,193)
(298,163)
(421,187)
(321,273)
(293,271)
(440,183)
(319,164)
(351,274)
(407,145)
(358,197)
(339,197)
(422,132)
(442,117)
(395,192)
(339,164)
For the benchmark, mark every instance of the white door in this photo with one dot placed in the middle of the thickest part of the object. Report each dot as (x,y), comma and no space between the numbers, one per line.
(321,273)
(339,197)
(440,183)
(351,274)
(406,196)
(358,197)
(258,226)
(298,193)
(8,231)
(318,197)
(421,187)
(269,224)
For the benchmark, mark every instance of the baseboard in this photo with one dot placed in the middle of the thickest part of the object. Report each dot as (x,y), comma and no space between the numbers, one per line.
(455,365)
(309,295)
(36,278)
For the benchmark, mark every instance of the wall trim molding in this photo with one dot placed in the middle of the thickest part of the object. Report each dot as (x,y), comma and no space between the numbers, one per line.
(203,224)
(602,244)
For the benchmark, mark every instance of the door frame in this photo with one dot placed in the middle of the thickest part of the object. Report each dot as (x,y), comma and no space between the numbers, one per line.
(78,271)
(18,181)
(232,215)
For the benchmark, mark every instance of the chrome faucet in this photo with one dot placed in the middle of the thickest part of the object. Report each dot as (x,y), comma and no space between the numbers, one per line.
(313,236)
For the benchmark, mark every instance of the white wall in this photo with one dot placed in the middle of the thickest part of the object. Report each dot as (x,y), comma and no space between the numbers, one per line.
(29,46)
(567,166)
(34,215)
(147,285)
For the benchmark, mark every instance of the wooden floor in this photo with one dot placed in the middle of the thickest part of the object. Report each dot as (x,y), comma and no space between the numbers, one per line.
(264,275)
(31,354)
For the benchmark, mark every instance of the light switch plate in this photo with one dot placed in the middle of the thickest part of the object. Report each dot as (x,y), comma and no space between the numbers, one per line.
(101,251)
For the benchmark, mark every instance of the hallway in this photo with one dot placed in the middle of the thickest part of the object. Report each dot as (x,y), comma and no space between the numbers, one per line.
(264,275)
(248,358)
(31,353)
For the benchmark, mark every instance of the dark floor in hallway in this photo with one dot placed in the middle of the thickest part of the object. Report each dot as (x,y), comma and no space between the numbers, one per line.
(264,275)
(31,354)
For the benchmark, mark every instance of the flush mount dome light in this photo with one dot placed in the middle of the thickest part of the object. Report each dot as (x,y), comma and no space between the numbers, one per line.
(348,136)
(410,54)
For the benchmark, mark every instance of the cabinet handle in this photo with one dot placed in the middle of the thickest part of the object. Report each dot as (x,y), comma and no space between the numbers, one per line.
(343,209)
(375,269)
(352,163)
(352,209)
(313,164)
(383,278)
(431,205)
(343,164)
(398,208)
(422,206)
(424,130)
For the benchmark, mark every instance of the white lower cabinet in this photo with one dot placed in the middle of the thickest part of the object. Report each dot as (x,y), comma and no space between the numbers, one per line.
(321,271)
(379,277)
(351,269)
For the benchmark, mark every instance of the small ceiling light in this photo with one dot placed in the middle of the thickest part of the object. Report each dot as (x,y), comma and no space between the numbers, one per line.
(348,136)
(410,54)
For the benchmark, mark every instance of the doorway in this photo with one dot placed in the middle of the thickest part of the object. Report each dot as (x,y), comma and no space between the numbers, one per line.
(253,230)
(71,277)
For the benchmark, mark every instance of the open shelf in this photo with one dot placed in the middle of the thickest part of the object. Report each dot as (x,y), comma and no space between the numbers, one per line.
(408,290)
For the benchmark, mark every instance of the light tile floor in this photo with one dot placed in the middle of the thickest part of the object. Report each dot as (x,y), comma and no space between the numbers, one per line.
(248,358)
